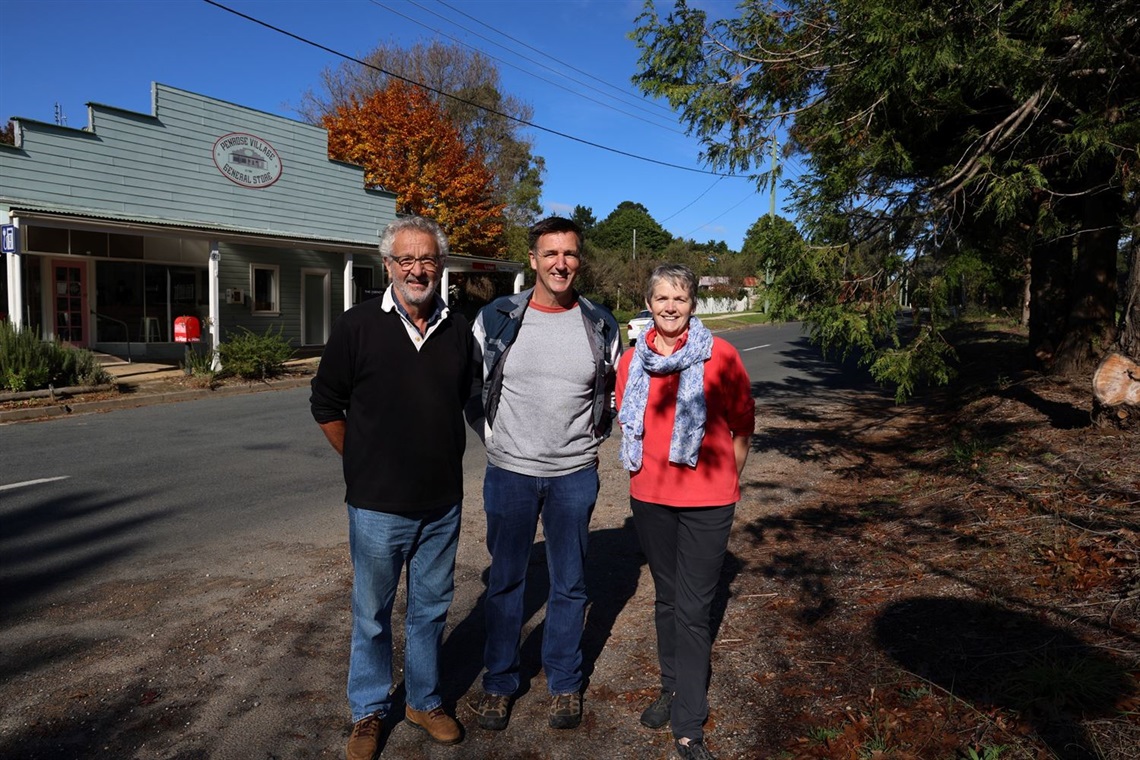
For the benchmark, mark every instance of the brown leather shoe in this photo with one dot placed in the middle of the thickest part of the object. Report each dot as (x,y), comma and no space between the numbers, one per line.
(441,727)
(364,739)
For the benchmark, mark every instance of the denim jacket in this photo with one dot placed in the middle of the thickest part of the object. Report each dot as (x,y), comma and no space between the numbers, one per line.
(495,330)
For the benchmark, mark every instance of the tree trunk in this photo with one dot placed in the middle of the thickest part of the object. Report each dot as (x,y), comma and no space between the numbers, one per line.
(1129,341)
(1116,390)
(1026,291)
(1090,329)
(1051,264)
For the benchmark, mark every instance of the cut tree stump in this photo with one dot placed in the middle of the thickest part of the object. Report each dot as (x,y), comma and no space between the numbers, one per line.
(1116,388)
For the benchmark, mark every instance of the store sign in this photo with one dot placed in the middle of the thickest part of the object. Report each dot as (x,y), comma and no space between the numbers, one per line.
(247,160)
(8,238)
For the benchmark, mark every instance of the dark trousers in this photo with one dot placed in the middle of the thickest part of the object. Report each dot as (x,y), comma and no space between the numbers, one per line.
(685,548)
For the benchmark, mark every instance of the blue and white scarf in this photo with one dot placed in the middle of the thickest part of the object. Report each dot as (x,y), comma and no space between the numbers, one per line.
(689,416)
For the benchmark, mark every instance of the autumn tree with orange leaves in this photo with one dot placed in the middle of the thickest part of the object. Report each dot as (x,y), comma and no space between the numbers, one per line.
(408,146)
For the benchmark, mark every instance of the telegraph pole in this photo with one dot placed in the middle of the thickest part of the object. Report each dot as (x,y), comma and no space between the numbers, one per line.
(772,222)
(772,199)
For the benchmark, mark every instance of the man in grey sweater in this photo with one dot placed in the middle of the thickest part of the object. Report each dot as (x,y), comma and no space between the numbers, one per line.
(548,358)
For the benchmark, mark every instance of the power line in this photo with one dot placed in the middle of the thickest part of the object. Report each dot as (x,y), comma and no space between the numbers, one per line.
(519,68)
(718,216)
(509,117)
(694,200)
(546,54)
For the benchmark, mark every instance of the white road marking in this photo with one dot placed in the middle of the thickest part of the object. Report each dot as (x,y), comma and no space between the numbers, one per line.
(753,348)
(11,486)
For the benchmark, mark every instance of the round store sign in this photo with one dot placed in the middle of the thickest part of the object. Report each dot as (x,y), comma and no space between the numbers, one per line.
(247,160)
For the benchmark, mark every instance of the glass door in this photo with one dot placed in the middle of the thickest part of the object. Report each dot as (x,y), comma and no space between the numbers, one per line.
(70,292)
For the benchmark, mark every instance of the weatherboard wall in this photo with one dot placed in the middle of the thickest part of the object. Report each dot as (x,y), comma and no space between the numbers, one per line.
(161,166)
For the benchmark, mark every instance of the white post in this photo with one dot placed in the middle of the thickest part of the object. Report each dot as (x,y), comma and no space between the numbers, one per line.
(519,281)
(16,279)
(215,308)
(347,292)
(444,282)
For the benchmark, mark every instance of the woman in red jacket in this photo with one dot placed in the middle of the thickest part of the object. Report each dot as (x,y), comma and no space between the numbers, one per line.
(687,416)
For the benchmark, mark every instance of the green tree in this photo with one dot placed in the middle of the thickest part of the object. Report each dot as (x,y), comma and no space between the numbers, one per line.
(616,231)
(932,130)
(769,239)
(584,217)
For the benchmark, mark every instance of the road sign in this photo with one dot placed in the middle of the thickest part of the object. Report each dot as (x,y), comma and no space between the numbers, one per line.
(8,238)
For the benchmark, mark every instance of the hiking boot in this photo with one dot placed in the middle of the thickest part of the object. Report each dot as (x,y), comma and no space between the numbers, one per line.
(566,710)
(657,714)
(493,711)
(439,726)
(694,750)
(365,738)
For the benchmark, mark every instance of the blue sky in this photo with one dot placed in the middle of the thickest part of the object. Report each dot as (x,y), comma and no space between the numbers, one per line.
(72,52)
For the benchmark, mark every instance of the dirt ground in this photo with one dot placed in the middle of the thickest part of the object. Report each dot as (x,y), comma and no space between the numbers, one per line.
(952,578)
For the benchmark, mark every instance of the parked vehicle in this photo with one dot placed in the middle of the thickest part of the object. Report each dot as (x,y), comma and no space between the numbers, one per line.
(638,325)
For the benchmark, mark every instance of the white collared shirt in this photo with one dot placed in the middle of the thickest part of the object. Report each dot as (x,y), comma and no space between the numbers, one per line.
(390,303)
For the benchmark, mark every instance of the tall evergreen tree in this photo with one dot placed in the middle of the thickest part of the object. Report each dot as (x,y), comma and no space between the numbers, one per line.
(930,128)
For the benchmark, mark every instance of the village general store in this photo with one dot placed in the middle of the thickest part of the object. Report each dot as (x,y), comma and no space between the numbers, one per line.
(201,208)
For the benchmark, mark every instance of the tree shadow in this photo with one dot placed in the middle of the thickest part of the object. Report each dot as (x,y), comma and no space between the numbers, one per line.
(124,722)
(54,542)
(613,571)
(1061,416)
(993,656)
(461,657)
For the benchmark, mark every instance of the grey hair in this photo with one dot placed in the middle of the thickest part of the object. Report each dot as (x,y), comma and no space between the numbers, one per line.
(417,224)
(675,274)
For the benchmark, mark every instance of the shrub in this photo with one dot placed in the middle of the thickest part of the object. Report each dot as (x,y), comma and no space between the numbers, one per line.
(28,363)
(255,357)
(199,366)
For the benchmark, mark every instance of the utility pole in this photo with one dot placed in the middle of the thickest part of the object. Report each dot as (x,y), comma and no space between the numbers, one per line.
(60,119)
(772,199)
(772,223)
(635,245)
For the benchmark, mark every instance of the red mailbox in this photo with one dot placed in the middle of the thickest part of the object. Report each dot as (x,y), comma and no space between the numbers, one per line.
(187,330)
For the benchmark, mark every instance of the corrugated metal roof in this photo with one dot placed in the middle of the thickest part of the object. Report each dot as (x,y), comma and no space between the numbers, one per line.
(198,229)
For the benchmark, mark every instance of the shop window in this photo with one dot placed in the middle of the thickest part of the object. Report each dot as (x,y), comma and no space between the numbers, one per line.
(47,239)
(85,243)
(265,288)
(361,283)
(126,246)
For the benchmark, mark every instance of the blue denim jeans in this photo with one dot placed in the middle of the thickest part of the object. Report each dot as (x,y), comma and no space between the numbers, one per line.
(514,504)
(381,545)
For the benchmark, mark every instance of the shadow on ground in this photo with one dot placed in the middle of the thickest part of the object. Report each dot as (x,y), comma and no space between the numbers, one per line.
(991,656)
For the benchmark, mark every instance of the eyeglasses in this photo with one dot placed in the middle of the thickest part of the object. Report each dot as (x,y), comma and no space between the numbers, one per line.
(405,263)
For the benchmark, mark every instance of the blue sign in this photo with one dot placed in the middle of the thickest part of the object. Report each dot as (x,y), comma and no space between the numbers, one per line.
(8,238)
